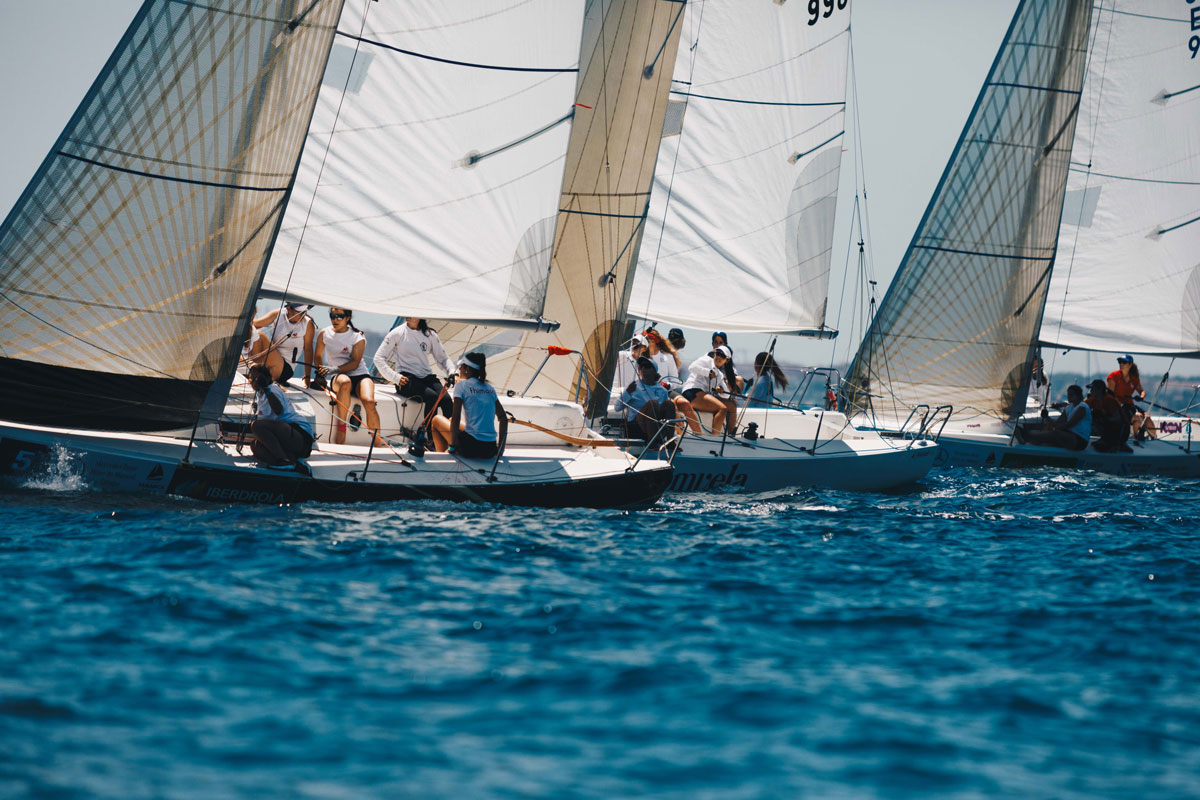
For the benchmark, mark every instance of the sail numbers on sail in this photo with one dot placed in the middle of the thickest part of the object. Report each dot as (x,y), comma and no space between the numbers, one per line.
(1194,42)
(815,6)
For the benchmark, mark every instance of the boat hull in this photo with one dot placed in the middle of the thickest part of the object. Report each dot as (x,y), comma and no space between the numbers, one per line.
(1149,458)
(543,477)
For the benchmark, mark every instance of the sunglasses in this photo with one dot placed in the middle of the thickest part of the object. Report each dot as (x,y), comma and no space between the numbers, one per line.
(338,316)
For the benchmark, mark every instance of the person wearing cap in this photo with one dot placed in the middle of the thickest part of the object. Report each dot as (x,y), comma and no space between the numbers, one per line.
(706,377)
(1125,384)
(732,376)
(403,359)
(677,340)
(666,361)
(293,333)
(627,371)
(646,403)
(1072,430)
(1107,419)
(470,431)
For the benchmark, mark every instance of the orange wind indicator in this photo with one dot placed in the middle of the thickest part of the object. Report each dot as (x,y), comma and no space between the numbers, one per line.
(555,350)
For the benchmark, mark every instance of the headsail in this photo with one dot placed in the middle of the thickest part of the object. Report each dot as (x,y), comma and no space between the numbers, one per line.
(1127,276)
(629,48)
(741,221)
(960,319)
(129,264)
(430,183)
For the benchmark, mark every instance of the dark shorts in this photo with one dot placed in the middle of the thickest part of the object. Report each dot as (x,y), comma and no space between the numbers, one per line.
(691,394)
(302,436)
(355,380)
(470,447)
(286,374)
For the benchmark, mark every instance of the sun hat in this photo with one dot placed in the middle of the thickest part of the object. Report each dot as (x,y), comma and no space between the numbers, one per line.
(1125,359)
(639,339)
(724,350)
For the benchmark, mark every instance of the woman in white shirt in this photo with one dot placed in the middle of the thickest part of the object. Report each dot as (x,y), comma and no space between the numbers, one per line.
(471,430)
(339,352)
(403,359)
(292,334)
(706,377)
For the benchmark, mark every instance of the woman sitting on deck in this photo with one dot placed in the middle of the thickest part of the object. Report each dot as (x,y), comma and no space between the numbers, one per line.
(471,430)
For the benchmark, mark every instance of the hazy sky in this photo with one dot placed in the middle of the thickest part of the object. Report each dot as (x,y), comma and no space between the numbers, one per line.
(919,65)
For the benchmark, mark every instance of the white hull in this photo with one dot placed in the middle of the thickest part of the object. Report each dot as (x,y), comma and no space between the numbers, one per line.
(799,449)
(535,469)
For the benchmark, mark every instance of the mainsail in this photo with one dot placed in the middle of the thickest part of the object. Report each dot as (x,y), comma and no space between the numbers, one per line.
(622,99)
(1127,277)
(740,230)
(129,264)
(430,183)
(959,321)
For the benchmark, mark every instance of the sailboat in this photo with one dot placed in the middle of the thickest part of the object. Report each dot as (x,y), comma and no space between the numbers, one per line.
(1064,219)
(374,156)
(740,234)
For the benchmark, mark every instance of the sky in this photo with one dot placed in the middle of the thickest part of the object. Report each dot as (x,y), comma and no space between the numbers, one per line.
(919,65)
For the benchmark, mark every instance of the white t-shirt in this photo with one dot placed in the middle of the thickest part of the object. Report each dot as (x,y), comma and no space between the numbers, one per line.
(667,371)
(704,374)
(479,407)
(339,349)
(289,412)
(408,350)
(288,337)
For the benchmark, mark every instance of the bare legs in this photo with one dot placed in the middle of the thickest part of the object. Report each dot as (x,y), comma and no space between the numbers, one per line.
(684,409)
(722,411)
(366,392)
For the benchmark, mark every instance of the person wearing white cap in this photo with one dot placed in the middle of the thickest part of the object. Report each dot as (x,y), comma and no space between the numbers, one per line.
(403,359)
(292,336)
(626,372)
(706,377)
(471,430)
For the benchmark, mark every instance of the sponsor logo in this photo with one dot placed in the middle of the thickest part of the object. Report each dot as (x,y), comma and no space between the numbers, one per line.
(242,495)
(156,473)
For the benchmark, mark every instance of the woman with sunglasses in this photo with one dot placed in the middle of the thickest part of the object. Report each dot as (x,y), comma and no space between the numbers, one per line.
(706,378)
(339,355)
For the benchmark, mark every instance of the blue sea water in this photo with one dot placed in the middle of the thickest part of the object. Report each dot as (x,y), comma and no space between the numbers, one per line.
(988,634)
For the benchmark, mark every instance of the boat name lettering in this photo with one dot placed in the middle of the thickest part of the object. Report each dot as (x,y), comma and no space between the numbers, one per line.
(1171,426)
(815,6)
(708,481)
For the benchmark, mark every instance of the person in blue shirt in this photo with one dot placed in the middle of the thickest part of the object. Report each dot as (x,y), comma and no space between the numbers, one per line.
(767,375)
(471,431)
(283,437)
(646,403)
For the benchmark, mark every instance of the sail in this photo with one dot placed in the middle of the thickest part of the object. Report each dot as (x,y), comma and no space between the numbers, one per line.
(128,265)
(959,321)
(430,183)
(740,230)
(1127,276)
(622,99)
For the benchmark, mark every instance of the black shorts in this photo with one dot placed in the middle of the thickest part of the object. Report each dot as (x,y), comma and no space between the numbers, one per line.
(469,447)
(303,435)
(286,374)
(691,394)
(355,380)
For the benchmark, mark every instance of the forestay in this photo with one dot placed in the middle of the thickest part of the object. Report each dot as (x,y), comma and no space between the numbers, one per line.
(430,183)
(959,321)
(129,264)
(1127,276)
(741,221)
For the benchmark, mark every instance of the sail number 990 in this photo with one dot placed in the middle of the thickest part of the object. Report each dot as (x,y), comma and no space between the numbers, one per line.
(815,6)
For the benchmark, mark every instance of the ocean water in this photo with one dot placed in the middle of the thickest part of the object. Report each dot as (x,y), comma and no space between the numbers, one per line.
(986,634)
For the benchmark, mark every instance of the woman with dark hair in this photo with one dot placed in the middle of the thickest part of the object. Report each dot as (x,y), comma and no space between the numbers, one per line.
(339,351)
(403,359)
(767,375)
(282,435)
(732,376)
(471,430)
(706,378)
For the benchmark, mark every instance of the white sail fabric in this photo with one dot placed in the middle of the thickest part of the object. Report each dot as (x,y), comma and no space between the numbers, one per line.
(129,264)
(436,192)
(740,230)
(1127,276)
(959,321)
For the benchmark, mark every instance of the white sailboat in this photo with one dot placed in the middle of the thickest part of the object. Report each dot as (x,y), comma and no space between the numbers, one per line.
(433,165)
(740,233)
(1066,218)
